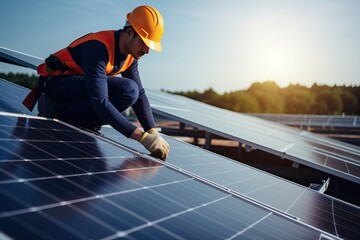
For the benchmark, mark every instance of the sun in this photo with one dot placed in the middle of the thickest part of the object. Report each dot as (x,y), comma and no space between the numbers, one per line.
(277,51)
(276,60)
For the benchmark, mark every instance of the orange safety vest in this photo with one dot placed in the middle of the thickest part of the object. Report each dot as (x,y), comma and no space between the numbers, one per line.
(61,62)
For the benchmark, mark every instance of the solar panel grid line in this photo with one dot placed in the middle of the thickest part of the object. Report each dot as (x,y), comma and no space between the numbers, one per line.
(137,228)
(76,234)
(55,176)
(61,203)
(333,214)
(250,226)
(296,200)
(259,189)
(148,223)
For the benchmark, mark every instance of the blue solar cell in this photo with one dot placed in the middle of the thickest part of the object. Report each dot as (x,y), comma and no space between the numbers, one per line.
(13,103)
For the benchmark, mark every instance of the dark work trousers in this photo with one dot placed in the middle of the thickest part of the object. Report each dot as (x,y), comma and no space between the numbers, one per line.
(73,103)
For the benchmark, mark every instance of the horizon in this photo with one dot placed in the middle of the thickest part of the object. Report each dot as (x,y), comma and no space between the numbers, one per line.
(210,88)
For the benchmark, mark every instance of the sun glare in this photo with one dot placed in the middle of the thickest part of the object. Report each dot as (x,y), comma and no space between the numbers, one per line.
(276,60)
(276,47)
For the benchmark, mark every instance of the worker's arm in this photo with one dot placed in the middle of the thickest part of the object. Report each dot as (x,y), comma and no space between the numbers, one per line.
(150,139)
(93,56)
(142,106)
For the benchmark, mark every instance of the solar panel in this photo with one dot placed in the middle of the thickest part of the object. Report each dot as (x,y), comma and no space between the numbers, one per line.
(325,154)
(313,120)
(21,59)
(11,97)
(310,207)
(59,182)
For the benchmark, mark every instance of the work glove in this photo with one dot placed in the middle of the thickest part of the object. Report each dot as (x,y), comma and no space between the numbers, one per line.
(155,144)
(152,131)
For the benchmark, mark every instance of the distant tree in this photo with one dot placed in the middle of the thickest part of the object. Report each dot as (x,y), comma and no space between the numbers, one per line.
(209,95)
(190,94)
(298,99)
(241,101)
(22,79)
(268,95)
(349,102)
(356,92)
(328,102)
(316,89)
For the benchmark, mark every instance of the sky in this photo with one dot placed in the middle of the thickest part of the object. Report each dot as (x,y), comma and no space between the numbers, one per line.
(225,45)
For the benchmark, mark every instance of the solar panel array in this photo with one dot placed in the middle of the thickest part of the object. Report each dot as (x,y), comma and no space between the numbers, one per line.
(316,151)
(59,182)
(310,207)
(313,120)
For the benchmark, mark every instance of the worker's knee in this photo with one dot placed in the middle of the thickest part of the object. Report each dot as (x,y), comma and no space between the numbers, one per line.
(131,92)
(123,92)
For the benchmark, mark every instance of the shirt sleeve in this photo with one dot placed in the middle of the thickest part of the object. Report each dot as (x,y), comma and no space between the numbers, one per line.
(141,107)
(94,57)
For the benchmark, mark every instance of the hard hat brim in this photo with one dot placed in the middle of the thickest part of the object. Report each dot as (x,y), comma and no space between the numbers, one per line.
(151,44)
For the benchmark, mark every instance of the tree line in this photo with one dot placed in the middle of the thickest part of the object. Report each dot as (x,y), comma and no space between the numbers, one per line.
(266,97)
(22,79)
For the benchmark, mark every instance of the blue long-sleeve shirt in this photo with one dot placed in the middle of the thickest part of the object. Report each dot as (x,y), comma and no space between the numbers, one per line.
(92,56)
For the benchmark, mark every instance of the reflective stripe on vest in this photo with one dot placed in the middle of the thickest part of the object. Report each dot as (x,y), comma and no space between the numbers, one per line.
(61,62)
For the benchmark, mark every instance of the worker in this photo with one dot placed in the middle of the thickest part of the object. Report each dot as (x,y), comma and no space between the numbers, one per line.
(81,86)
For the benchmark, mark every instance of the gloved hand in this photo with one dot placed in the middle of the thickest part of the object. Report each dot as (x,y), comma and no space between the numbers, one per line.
(152,131)
(155,144)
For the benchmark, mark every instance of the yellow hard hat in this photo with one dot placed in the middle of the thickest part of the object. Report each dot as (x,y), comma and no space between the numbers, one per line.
(148,24)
